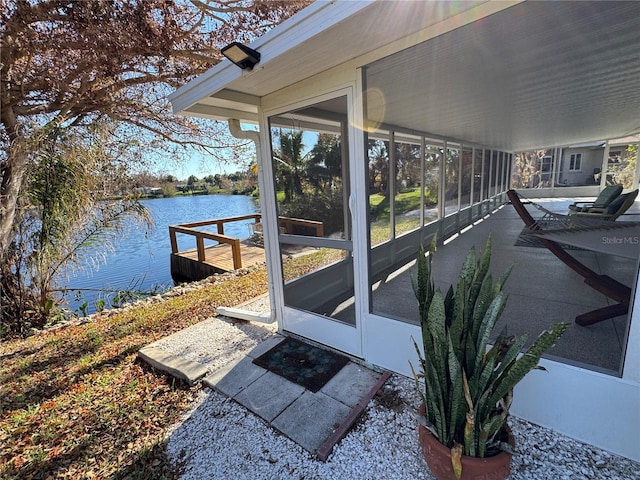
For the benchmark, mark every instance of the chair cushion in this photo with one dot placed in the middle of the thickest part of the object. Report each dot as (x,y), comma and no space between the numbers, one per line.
(607,195)
(616,204)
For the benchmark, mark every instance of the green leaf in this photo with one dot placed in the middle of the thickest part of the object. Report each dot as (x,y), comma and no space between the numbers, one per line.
(486,328)
(468,268)
(457,323)
(456,411)
(529,360)
(488,432)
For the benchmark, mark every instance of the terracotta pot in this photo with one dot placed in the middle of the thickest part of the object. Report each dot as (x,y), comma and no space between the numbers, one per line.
(438,459)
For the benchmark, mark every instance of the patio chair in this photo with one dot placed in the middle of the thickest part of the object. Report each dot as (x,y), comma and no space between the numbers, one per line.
(616,208)
(607,195)
(618,292)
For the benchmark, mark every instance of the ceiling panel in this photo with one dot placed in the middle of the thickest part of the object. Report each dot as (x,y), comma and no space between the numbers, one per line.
(534,75)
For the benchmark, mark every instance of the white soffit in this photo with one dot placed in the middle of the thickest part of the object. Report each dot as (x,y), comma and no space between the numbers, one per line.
(321,36)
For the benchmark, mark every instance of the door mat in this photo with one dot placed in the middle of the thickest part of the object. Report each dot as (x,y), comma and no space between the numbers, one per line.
(304,364)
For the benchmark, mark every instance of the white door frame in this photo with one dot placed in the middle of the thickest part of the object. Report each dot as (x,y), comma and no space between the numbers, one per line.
(318,328)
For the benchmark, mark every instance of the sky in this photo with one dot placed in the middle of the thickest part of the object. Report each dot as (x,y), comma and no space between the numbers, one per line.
(201,165)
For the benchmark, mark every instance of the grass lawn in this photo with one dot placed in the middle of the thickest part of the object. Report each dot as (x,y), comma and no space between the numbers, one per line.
(75,402)
(405,201)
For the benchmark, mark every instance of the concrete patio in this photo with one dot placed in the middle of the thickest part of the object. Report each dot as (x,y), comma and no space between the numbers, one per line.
(542,290)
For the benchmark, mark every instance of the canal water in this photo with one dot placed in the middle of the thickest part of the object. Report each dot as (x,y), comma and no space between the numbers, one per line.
(140,260)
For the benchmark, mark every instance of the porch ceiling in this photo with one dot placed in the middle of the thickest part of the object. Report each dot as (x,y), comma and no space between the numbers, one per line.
(533,74)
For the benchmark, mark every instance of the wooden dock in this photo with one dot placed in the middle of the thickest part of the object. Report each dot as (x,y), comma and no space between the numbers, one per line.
(218,259)
(229,253)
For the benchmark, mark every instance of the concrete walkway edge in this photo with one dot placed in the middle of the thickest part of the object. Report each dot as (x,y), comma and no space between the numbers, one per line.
(190,372)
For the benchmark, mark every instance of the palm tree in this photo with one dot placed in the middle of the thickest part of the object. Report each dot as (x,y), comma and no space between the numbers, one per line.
(325,164)
(291,164)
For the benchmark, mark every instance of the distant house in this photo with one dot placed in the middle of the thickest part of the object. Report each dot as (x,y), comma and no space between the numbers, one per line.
(583,164)
(466,85)
(576,165)
(153,191)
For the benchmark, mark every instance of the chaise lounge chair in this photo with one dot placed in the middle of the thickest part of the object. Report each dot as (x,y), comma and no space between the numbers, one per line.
(607,195)
(616,208)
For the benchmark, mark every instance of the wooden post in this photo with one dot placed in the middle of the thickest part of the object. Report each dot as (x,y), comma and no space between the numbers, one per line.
(237,256)
(200,246)
(220,226)
(174,241)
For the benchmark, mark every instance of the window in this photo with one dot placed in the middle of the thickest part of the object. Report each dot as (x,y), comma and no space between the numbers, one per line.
(575,162)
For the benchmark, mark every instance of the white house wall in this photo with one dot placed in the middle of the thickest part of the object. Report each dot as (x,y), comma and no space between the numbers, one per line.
(631,369)
(563,398)
(599,409)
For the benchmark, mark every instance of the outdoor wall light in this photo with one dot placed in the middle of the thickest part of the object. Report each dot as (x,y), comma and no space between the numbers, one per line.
(241,55)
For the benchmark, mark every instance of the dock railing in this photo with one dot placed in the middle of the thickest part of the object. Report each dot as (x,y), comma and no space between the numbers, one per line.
(287,225)
(220,237)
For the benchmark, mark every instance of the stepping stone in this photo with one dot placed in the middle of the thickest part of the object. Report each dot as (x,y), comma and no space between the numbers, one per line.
(190,372)
(234,377)
(311,419)
(351,384)
(269,395)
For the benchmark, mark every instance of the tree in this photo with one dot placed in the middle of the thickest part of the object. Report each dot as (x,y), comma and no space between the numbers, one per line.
(290,163)
(192,181)
(208,179)
(624,170)
(378,166)
(407,166)
(66,218)
(325,163)
(75,64)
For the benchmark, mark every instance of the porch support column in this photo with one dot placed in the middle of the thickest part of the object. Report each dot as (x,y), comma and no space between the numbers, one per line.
(636,176)
(442,183)
(423,170)
(554,167)
(269,216)
(391,188)
(605,166)
(472,192)
(482,180)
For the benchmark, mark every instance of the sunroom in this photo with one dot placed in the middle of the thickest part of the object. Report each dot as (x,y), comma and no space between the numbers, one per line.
(406,118)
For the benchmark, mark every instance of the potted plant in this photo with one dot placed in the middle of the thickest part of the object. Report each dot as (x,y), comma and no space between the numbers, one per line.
(466,383)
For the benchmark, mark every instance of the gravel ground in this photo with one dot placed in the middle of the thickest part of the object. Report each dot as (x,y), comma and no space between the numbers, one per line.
(220,439)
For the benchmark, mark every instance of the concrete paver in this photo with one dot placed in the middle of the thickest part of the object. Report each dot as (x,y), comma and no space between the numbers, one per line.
(311,419)
(235,377)
(264,347)
(350,384)
(269,395)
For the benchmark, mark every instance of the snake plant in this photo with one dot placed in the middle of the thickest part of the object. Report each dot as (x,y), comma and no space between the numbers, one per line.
(466,383)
